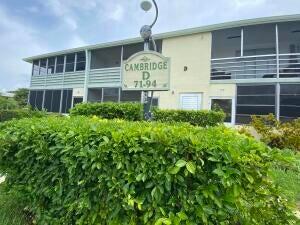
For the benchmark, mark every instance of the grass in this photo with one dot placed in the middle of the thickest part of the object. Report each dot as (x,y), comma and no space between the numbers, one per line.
(11,207)
(288,181)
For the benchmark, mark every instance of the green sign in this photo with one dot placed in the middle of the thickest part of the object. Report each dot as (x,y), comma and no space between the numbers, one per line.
(146,71)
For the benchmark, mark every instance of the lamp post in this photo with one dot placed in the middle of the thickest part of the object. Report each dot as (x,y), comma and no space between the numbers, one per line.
(146,34)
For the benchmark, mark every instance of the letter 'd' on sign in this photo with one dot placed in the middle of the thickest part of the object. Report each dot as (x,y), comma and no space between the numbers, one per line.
(146,71)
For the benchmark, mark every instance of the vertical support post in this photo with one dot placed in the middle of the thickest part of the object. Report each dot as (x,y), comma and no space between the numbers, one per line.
(277,52)
(242,42)
(277,106)
(87,73)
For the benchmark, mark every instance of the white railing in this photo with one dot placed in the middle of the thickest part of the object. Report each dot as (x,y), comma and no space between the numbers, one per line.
(251,67)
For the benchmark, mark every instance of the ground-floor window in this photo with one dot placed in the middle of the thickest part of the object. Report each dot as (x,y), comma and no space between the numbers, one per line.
(254,100)
(261,99)
(289,101)
(113,95)
(59,101)
(224,104)
(191,101)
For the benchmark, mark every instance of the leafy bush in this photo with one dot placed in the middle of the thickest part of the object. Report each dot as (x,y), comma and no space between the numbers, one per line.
(6,115)
(277,134)
(127,111)
(89,171)
(201,118)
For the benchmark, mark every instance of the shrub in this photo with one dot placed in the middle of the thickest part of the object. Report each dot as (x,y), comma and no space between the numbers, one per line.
(201,118)
(277,134)
(127,111)
(88,171)
(6,115)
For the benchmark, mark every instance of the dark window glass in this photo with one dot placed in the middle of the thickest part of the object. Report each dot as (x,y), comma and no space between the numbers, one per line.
(70,62)
(260,40)
(95,95)
(56,101)
(256,90)
(51,65)
(48,100)
(289,101)
(254,100)
(32,97)
(226,43)
(60,60)
(77,100)
(289,37)
(36,68)
(39,100)
(130,50)
(80,64)
(43,67)
(106,58)
(225,105)
(66,101)
(110,94)
(131,96)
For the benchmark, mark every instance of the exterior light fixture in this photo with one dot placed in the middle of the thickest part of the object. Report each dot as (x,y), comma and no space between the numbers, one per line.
(146,5)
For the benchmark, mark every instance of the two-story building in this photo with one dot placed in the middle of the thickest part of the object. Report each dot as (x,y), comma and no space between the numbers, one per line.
(247,67)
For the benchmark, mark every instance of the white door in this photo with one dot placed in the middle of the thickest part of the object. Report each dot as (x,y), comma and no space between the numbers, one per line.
(190,101)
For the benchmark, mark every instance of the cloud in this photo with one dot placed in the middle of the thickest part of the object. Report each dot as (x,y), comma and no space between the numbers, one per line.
(17,41)
(117,13)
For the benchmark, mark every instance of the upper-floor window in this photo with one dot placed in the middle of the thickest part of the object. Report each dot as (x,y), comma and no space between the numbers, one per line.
(259,40)
(70,63)
(51,65)
(129,50)
(43,66)
(36,67)
(60,61)
(106,58)
(226,43)
(289,37)
(80,61)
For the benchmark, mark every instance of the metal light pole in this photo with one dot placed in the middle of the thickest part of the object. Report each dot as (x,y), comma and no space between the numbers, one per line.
(146,34)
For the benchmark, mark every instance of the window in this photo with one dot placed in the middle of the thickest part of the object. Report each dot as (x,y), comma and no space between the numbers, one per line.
(106,58)
(254,100)
(80,61)
(289,43)
(190,101)
(111,94)
(66,101)
(225,105)
(52,100)
(289,37)
(131,96)
(60,61)
(70,62)
(226,43)
(289,101)
(36,99)
(51,65)
(129,50)
(36,67)
(95,95)
(43,67)
(260,39)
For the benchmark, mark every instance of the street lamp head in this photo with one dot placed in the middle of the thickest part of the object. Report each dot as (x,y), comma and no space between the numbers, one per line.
(146,5)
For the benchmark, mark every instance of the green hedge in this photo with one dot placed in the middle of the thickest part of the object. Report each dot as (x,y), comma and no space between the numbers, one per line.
(201,118)
(110,110)
(89,171)
(6,115)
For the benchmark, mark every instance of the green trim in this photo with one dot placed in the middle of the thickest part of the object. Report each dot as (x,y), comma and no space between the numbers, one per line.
(210,28)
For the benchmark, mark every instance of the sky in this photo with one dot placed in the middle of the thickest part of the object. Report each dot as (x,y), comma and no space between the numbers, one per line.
(33,27)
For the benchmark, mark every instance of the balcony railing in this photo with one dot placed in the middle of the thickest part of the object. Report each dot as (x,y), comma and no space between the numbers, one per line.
(253,67)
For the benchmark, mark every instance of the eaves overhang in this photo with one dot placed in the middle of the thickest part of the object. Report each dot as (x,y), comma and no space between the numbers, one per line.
(184,32)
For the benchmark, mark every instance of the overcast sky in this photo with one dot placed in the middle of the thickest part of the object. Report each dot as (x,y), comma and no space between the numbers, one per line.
(32,27)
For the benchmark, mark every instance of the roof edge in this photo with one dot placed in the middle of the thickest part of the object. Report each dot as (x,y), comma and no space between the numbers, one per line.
(171,34)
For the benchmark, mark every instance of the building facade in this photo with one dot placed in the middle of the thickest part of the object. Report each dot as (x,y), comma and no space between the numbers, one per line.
(249,67)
